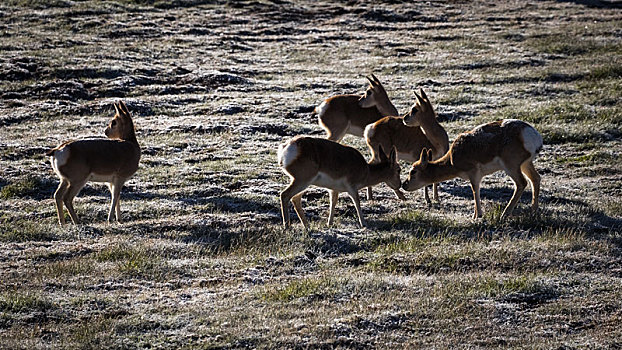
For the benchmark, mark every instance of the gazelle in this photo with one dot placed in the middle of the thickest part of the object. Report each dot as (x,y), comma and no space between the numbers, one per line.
(510,145)
(112,160)
(324,163)
(349,114)
(416,130)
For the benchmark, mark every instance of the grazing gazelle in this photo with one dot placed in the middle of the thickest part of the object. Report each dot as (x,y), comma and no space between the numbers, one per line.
(510,145)
(112,160)
(416,130)
(324,163)
(349,114)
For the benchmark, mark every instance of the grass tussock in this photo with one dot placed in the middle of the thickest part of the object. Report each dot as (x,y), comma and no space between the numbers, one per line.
(16,301)
(320,288)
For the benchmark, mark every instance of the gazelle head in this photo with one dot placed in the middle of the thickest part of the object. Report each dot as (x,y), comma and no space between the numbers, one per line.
(417,176)
(374,95)
(393,180)
(121,125)
(422,108)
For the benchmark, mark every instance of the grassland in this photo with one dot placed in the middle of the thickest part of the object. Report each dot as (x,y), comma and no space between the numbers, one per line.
(201,260)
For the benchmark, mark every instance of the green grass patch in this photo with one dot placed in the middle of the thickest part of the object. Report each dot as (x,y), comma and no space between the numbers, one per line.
(607,71)
(21,230)
(24,302)
(563,44)
(322,288)
(25,187)
(593,158)
(486,286)
(68,268)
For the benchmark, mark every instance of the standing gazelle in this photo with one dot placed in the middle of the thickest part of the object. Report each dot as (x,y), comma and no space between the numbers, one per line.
(416,130)
(315,161)
(112,160)
(510,145)
(349,114)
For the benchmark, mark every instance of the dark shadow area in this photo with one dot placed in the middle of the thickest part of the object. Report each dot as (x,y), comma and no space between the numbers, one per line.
(596,3)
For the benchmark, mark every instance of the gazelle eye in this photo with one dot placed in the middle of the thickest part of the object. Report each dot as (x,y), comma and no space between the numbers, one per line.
(114,122)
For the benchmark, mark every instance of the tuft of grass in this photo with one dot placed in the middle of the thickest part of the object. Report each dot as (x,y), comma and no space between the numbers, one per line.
(593,158)
(321,288)
(606,71)
(486,287)
(25,187)
(21,230)
(563,44)
(24,302)
(75,267)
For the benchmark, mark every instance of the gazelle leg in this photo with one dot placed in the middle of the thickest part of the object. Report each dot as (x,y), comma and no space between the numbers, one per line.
(58,199)
(521,183)
(534,179)
(475,185)
(115,193)
(333,197)
(297,201)
(70,194)
(435,192)
(357,204)
(294,188)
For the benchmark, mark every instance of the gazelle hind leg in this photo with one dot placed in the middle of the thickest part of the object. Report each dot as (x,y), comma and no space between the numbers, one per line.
(534,179)
(59,195)
(72,192)
(520,183)
(297,201)
(294,188)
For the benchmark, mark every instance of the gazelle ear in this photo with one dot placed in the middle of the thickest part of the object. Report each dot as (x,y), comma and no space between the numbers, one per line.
(124,108)
(424,95)
(423,159)
(116,107)
(393,155)
(371,81)
(383,156)
(419,98)
(375,79)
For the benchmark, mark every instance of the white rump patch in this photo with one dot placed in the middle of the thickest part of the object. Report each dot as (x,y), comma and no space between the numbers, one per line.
(288,152)
(532,140)
(508,121)
(321,109)
(369,131)
(59,158)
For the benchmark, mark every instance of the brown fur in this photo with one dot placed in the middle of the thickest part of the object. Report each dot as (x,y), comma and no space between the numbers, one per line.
(349,114)
(328,164)
(112,160)
(409,140)
(474,154)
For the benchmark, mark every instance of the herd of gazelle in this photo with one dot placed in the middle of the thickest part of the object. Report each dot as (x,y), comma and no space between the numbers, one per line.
(510,145)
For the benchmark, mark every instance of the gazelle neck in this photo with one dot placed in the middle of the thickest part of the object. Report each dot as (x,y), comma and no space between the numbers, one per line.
(435,133)
(378,172)
(386,108)
(441,170)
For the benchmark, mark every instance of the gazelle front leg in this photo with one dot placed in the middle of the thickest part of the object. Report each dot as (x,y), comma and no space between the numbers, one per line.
(115,193)
(333,196)
(357,204)
(476,180)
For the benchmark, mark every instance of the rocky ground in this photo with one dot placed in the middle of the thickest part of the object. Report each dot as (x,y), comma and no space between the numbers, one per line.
(201,260)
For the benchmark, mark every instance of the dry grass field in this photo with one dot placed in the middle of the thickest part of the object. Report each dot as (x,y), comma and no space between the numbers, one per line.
(201,260)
